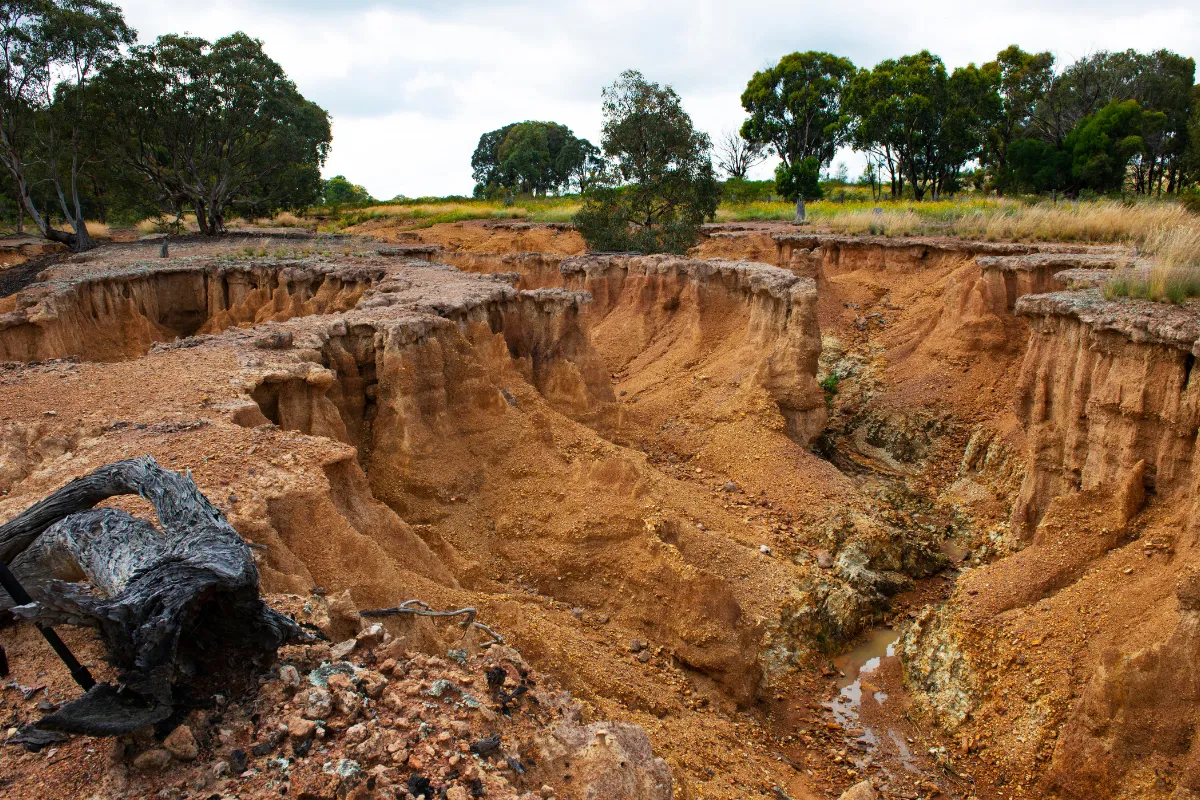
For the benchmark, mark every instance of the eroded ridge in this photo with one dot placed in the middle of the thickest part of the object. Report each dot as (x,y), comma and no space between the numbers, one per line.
(453,437)
(121,313)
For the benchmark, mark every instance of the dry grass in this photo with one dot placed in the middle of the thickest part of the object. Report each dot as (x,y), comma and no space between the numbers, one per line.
(166,224)
(96,229)
(1175,276)
(905,222)
(285,219)
(1101,221)
(993,219)
(423,214)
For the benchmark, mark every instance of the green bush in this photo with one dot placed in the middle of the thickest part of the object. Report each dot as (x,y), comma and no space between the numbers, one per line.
(740,191)
(1191,200)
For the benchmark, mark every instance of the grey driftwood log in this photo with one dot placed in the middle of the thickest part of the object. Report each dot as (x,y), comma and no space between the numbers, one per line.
(159,598)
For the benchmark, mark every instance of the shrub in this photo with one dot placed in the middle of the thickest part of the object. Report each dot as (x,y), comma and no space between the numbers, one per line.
(1191,200)
(662,185)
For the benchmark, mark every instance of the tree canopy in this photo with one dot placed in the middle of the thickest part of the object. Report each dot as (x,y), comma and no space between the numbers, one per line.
(50,54)
(215,127)
(795,107)
(531,158)
(660,185)
(1021,80)
(926,124)
(338,191)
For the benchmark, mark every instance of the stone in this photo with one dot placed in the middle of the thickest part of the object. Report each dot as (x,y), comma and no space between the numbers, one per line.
(637,646)
(644,656)
(860,791)
(371,637)
(356,733)
(337,617)
(318,703)
(341,650)
(373,684)
(300,728)
(824,559)
(289,676)
(155,760)
(349,703)
(606,759)
(275,340)
(182,744)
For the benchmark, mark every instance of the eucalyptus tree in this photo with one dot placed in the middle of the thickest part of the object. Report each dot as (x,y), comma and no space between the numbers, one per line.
(796,111)
(1160,82)
(929,123)
(530,158)
(216,127)
(660,185)
(50,132)
(1021,80)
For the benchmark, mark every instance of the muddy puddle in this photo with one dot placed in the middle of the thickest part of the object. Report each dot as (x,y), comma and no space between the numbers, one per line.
(856,670)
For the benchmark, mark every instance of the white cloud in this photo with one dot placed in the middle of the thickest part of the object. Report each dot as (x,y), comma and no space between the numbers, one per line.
(411,85)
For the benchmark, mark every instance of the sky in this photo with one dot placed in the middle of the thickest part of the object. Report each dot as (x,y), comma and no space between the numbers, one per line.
(412,84)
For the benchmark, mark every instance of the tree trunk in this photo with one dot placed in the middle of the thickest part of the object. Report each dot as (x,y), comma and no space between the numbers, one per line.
(146,589)
(202,218)
(83,240)
(800,212)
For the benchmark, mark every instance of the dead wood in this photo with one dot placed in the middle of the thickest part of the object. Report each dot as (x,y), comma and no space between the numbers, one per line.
(141,588)
(420,608)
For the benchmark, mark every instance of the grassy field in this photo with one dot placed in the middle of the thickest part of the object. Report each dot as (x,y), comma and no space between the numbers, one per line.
(423,214)
(1175,274)
(991,218)
(1165,231)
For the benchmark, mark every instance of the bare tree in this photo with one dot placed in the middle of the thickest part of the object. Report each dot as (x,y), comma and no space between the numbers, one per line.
(736,156)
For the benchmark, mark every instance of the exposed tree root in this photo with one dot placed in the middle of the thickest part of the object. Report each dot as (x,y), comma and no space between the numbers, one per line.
(141,588)
(422,609)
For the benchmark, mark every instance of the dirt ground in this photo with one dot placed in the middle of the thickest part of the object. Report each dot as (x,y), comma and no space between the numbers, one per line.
(644,489)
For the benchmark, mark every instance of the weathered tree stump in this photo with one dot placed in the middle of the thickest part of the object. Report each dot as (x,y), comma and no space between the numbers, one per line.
(142,588)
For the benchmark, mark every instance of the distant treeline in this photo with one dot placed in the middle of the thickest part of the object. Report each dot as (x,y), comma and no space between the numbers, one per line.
(94,126)
(1108,123)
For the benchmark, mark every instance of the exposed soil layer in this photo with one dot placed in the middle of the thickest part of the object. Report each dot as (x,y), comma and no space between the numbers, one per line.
(682,486)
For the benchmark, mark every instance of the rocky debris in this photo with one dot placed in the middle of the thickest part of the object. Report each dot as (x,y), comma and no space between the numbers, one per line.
(860,791)
(944,680)
(274,340)
(388,723)
(337,617)
(155,760)
(182,744)
(611,759)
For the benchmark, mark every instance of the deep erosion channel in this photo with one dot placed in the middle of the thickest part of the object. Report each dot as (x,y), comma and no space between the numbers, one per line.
(776,514)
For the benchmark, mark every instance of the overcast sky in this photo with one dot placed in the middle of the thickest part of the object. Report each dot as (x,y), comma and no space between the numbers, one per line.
(411,85)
